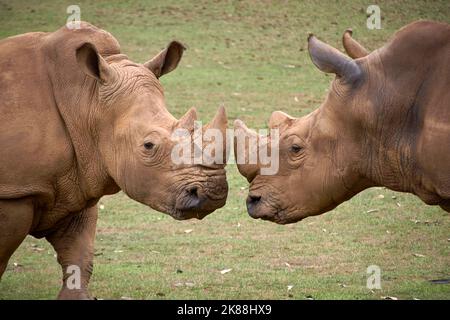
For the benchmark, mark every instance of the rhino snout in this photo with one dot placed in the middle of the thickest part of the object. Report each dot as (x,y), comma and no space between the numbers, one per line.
(199,200)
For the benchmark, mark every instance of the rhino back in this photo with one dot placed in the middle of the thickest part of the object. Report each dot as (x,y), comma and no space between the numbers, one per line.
(39,99)
(33,142)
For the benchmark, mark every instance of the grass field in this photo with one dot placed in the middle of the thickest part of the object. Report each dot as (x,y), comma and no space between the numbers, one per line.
(251,56)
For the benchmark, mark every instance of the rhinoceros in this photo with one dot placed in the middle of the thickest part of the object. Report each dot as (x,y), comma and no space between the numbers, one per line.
(79,120)
(385,122)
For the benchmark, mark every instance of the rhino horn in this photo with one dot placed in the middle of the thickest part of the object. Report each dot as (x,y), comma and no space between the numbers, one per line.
(279,118)
(220,122)
(243,152)
(188,120)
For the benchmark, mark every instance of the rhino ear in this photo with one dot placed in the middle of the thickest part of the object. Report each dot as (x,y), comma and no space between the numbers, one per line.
(167,60)
(352,47)
(330,60)
(92,63)
(278,118)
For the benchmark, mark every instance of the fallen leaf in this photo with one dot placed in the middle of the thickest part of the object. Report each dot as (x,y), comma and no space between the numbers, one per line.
(389,298)
(126,298)
(308,297)
(398,204)
(380,196)
(225,271)
(324,230)
(290,287)
(418,255)
(118,251)
(372,210)
(287,264)
(101,207)
(188,231)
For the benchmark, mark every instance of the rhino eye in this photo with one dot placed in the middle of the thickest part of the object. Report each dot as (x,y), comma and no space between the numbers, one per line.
(148,145)
(295,148)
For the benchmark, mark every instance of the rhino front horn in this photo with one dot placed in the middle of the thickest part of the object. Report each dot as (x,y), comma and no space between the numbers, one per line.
(246,150)
(220,120)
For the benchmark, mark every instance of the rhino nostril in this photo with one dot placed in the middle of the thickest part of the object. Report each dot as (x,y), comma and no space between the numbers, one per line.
(253,200)
(252,204)
(193,192)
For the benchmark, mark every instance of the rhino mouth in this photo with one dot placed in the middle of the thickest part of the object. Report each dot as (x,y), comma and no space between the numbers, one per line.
(199,200)
(278,216)
(266,206)
(190,212)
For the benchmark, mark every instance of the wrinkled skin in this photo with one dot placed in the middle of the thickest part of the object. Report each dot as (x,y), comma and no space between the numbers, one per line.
(385,122)
(79,121)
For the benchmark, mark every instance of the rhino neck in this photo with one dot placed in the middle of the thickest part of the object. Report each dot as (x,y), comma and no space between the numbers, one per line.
(77,106)
(75,97)
(394,125)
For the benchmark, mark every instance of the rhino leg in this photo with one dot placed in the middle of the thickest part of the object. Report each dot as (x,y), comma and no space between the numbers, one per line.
(16,217)
(73,242)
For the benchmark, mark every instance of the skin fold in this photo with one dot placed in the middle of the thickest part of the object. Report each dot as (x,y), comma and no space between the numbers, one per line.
(385,122)
(79,121)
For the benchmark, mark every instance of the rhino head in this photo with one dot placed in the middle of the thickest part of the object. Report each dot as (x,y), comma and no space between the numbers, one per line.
(319,154)
(135,135)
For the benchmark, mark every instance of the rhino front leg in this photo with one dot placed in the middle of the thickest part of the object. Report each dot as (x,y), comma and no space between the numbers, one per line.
(16,217)
(74,245)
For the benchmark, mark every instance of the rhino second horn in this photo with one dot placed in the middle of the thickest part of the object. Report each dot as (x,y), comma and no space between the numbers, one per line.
(278,118)
(188,120)
(248,170)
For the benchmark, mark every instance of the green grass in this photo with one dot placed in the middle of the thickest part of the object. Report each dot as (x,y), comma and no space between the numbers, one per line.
(251,56)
